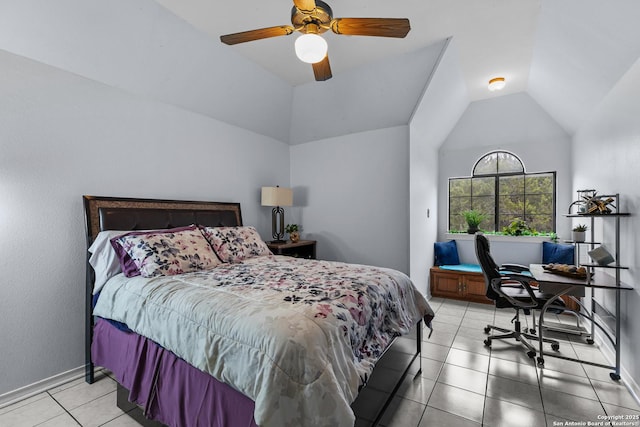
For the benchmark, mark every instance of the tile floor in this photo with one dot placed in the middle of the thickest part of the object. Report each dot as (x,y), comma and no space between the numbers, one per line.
(463,383)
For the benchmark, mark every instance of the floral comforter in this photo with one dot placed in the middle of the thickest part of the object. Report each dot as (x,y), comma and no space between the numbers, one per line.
(299,337)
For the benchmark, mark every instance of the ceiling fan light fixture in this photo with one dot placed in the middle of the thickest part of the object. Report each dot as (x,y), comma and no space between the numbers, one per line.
(496,83)
(311,48)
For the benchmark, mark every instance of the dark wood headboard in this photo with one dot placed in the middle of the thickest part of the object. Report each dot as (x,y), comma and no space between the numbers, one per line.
(128,214)
(113,213)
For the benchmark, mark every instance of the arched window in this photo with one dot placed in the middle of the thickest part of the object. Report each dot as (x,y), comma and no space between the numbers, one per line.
(502,191)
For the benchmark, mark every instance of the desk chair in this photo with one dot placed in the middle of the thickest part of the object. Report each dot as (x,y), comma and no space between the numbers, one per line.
(508,288)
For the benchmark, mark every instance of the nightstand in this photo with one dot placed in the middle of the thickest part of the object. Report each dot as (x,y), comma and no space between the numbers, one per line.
(299,249)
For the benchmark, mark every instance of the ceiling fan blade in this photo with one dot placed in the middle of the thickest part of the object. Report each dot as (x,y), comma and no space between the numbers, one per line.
(381,27)
(305,5)
(322,69)
(262,33)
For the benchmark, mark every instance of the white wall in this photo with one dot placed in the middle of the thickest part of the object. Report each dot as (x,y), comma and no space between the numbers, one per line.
(351,193)
(514,123)
(442,102)
(582,48)
(139,46)
(62,136)
(606,155)
(504,249)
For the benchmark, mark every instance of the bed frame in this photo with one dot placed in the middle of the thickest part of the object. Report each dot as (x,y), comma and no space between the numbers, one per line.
(128,214)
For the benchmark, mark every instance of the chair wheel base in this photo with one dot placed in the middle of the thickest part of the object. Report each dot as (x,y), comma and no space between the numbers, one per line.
(540,361)
(614,376)
(589,341)
(487,329)
(555,347)
(531,354)
(487,343)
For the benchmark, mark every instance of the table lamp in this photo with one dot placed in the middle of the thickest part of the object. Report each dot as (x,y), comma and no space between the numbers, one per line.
(277,197)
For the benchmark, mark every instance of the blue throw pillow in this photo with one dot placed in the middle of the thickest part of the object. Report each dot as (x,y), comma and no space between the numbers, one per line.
(557,254)
(446,253)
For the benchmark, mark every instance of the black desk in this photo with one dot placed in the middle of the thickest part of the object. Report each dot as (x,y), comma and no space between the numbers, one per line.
(560,285)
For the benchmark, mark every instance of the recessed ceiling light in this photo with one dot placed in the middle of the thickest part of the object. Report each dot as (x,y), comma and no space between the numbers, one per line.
(496,83)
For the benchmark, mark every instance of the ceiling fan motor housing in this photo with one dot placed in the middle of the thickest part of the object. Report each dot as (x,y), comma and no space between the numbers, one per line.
(321,17)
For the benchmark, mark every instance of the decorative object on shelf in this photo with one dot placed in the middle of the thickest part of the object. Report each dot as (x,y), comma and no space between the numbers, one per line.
(590,203)
(601,255)
(579,232)
(566,270)
(277,197)
(580,203)
(600,205)
(294,232)
(473,218)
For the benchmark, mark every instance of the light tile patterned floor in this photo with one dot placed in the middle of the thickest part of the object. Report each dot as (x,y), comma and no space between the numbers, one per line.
(463,383)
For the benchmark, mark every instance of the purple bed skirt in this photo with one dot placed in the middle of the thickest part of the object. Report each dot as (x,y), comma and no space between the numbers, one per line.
(166,387)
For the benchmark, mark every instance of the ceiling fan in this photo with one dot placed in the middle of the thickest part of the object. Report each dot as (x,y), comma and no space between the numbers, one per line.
(314,17)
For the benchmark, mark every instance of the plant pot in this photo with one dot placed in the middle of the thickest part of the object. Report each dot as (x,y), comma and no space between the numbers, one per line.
(294,236)
(578,236)
(472,230)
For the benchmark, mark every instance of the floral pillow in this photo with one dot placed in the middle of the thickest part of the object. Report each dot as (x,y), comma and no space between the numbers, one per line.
(234,244)
(165,252)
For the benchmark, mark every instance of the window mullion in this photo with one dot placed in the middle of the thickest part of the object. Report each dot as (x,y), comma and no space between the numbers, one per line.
(526,196)
(496,203)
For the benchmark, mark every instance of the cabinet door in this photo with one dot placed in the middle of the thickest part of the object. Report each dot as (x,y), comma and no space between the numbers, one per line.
(445,285)
(475,288)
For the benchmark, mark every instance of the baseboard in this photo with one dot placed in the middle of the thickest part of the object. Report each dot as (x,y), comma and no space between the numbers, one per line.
(27,391)
(609,353)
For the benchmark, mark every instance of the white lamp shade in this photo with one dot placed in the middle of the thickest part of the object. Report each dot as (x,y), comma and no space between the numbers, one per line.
(311,48)
(277,196)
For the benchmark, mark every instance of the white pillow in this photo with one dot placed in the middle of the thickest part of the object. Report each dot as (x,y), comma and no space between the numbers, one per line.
(103,258)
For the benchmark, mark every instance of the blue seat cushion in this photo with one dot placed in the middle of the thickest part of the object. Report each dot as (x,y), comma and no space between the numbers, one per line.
(465,268)
(446,253)
(557,253)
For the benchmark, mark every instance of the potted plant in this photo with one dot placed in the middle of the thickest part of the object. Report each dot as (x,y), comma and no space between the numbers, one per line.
(294,232)
(473,218)
(519,227)
(579,232)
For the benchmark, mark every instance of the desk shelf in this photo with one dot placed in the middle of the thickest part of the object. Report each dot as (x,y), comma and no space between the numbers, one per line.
(597,279)
(620,267)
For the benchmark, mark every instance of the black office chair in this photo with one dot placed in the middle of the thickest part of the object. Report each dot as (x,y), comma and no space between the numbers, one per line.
(508,288)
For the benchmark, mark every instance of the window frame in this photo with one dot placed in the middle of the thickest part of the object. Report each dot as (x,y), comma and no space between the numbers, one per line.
(496,187)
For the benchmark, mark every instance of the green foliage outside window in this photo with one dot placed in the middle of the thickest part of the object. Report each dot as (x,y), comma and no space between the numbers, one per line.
(504,193)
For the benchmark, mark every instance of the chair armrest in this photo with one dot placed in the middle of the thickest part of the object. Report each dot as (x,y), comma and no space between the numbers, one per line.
(516,280)
(517,268)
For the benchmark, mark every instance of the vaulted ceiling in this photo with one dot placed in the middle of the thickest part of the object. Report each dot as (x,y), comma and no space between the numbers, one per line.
(494,37)
(567,54)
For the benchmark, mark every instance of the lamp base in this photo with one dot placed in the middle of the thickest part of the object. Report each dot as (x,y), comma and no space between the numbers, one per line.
(278,241)
(277,224)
